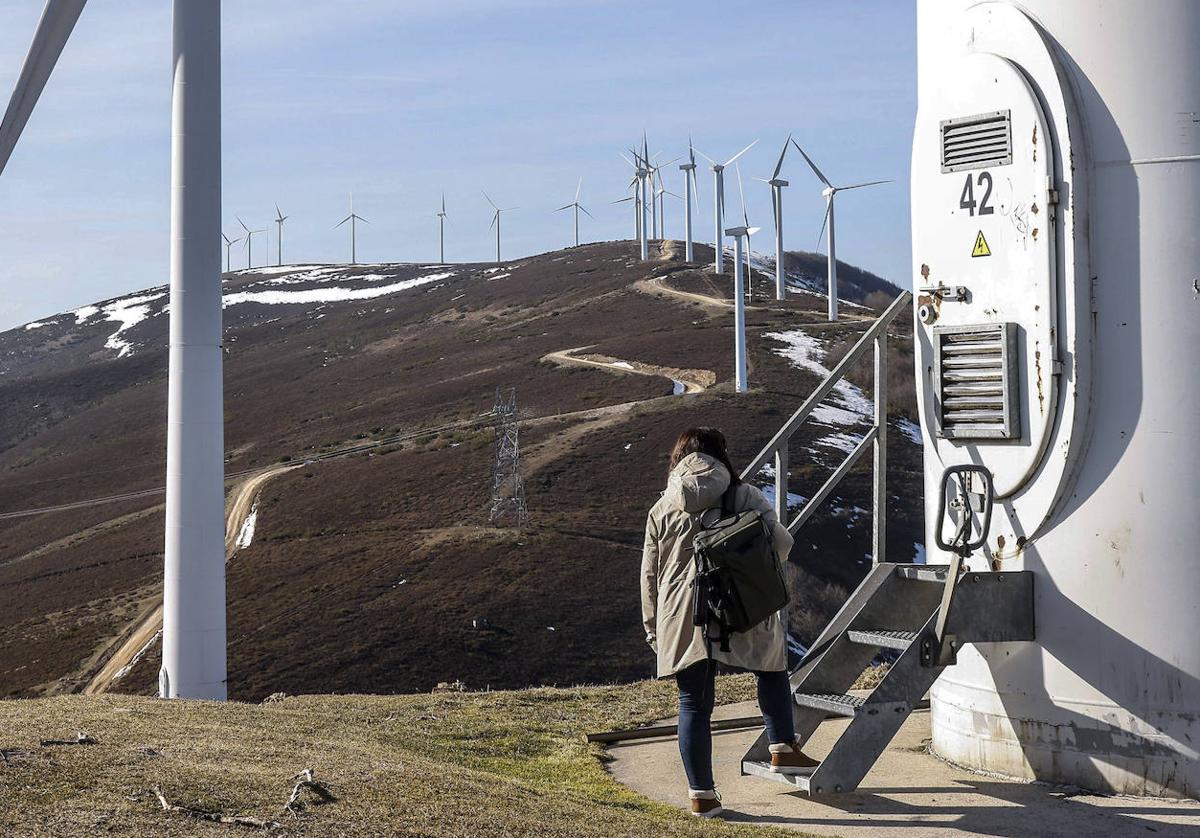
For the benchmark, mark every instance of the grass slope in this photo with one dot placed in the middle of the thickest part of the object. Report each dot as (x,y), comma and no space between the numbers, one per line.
(446,764)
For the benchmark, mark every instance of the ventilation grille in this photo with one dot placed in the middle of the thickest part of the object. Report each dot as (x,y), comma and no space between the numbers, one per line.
(976,381)
(974,142)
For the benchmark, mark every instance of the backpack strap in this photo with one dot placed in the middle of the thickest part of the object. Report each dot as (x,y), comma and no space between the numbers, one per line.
(729,500)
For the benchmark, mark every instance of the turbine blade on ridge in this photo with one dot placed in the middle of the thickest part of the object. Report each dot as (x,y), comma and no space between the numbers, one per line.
(782,154)
(812,165)
(828,207)
(861,185)
(730,161)
(53,31)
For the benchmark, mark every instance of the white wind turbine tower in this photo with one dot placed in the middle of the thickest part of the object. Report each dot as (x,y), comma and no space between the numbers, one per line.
(577,207)
(353,218)
(689,191)
(776,183)
(829,192)
(279,219)
(496,222)
(441,216)
(193,657)
(642,171)
(719,204)
(229,243)
(250,234)
(740,364)
(660,195)
(750,231)
(637,210)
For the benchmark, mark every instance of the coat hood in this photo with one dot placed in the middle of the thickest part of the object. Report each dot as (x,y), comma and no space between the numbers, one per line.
(697,483)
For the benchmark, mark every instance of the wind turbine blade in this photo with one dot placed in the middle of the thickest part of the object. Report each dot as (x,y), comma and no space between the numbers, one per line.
(622,200)
(490,201)
(750,231)
(828,207)
(343,221)
(243,223)
(669,192)
(782,154)
(578,190)
(627,160)
(861,185)
(730,161)
(706,157)
(585,212)
(567,207)
(495,218)
(53,30)
(742,194)
(443,203)
(812,165)
(691,152)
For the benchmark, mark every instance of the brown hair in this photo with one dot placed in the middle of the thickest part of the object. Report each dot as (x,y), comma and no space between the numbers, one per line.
(708,441)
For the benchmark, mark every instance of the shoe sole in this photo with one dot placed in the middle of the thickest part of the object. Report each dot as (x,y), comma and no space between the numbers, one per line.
(792,770)
(711,813)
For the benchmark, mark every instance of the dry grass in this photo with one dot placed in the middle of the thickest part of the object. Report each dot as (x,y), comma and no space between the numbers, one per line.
(463,764)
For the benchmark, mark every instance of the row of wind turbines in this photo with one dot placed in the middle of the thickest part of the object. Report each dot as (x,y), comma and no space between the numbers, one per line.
(648,196)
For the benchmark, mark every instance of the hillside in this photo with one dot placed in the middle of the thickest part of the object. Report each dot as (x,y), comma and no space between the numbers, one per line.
(378,571)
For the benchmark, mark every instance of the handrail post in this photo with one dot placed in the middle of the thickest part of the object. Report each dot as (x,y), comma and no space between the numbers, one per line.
(781,482)
(879,512)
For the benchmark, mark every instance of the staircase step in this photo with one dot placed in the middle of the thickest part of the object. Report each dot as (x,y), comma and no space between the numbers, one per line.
(763,769)
(836,703)
(922,573)
(882,638)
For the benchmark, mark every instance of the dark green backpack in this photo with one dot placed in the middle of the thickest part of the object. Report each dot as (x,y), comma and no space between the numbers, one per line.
(739,579)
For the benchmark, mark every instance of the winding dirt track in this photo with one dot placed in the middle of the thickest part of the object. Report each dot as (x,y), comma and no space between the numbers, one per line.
(693,380)
(143,632)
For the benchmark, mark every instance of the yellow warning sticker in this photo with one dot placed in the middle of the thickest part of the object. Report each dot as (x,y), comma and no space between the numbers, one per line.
(981,246)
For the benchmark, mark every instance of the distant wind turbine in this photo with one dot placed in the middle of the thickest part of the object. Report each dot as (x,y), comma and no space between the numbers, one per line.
(740,366)
(750,231)
(719,203)
(279,219)
(441,216)
(353,218)
(250,234)
(828,193)
(776,183)
(577,207)
(637,210)
(496,222)
(229,243)
(689,191)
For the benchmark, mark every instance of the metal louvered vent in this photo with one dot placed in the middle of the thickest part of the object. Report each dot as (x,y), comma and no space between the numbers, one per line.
(974,142)
(975,371)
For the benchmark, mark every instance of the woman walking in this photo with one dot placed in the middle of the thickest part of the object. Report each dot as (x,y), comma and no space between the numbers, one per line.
(700,474)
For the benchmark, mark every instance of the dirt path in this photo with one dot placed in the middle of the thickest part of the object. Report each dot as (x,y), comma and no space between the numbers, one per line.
(692,380)
(145,631)
(656,286)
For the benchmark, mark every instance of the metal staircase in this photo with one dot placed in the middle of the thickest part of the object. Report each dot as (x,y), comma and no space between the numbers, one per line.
(895,608)
(924,613)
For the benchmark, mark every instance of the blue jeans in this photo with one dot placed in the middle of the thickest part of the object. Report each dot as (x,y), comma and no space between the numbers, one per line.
(697,695)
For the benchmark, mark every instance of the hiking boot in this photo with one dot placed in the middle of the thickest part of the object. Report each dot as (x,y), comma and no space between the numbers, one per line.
(706,804)
(789,759)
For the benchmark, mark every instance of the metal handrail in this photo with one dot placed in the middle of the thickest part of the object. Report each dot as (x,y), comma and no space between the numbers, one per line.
(875,438)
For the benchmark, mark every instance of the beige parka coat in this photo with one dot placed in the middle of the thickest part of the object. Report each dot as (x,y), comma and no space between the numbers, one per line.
(668,570)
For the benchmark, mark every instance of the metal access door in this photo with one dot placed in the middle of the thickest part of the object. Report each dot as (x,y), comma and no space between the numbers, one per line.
(984,207)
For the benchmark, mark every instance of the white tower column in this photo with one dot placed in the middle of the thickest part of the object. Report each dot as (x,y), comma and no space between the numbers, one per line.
(643,231)
(193,664)
(740,366)
(688,252)
(833,283)
(718,218)
(780,283)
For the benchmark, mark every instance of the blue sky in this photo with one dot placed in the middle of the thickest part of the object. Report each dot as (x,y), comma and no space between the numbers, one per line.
(400,101)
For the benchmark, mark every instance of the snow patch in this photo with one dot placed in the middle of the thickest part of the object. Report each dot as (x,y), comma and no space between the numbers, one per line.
(498,276)
(125,670)
(678,388)
(794,501)
(29,327)
(246,535)
(624,365)
(328,295)
(128,312)
(911,430)
(84,314)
